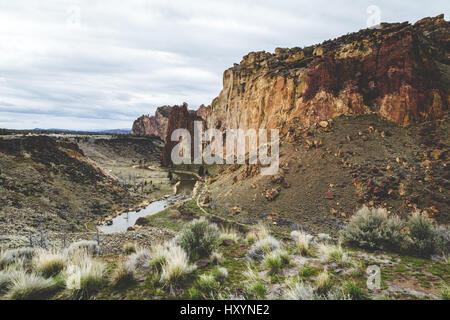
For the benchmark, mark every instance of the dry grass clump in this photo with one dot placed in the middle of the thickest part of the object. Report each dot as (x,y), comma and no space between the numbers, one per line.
(15,256)
(216,258)
(124,275)
(259,232)
(263,247)
(129,248)
(140,259)
(49,263)
(334,253)
(84,275)
(302,241)
(30,286)
(89,246)
(228,233)
(176,265)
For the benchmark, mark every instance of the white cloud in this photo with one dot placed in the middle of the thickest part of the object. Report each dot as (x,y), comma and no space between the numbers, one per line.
(92,64)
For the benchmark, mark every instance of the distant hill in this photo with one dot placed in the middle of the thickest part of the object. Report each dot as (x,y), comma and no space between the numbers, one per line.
(111,131)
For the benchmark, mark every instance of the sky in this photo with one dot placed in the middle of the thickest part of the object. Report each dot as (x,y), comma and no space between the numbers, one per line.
(100,64)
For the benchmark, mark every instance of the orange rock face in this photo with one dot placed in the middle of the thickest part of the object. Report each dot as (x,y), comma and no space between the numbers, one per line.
(153,125)
(400,72)
(180,117)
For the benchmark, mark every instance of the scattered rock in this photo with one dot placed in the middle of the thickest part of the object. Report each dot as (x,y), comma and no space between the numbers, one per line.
(203,263)
(227,243)
(329,196)
(272,194)
(141,221)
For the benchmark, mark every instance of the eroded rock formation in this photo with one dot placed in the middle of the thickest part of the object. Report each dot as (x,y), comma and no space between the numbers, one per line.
(399,71)
(180,117)
(147,125)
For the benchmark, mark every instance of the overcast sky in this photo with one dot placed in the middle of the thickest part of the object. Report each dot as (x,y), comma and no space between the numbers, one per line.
(97,64)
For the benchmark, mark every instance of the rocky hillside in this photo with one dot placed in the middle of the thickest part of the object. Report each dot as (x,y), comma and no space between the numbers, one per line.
(59,181)
(400,71)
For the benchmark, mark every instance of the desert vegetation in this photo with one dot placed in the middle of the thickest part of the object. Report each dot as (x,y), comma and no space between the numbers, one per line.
(205,261)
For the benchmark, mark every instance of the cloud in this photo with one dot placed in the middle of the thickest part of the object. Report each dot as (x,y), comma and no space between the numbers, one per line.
(91,64)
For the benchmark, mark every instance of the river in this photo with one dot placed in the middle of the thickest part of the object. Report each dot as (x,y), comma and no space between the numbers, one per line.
(127,219)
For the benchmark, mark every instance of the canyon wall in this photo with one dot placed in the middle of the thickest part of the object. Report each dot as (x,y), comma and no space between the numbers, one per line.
(399,71)
(180,117)
(147,125)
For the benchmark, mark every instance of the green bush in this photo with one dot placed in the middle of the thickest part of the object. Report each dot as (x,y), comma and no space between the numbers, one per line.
(422,232)
(442,240)
(354,291)
(255,290)
(199,239)
(374,229)
(208,285)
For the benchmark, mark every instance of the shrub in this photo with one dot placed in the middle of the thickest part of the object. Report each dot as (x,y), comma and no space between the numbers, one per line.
(49,264)
(336,294)
(374,229)
(216,258)
(262,247)
(6,277)
(14,256)
(228,234)
(208,285)
(176,265)
(442,241)
(323,238)
(89,246)
(307,271)
(158,257)
(140,259)
(199,239)
(323,283)
(300,291)
(259,232)
(220,274)
(251,237)
(30,286)
(422,232)
(276,260)
(84,276)
(194,294)
(255,290)
(354,291)
(302,241)
(284,256)
(333,253)
(273,262)
(445,292)
(124,275)
(129,248)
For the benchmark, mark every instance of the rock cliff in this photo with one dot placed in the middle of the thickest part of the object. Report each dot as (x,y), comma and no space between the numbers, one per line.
(147,125)
(180,117)
(399,71)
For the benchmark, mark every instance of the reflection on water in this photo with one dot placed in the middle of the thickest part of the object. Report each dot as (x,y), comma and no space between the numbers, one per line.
(127,219)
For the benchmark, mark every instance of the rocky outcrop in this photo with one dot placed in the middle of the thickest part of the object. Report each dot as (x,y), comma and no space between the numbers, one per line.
(147,125)
(399,71)
(180,117)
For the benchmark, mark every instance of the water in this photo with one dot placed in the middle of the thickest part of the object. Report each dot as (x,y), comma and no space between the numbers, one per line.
(127,219)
